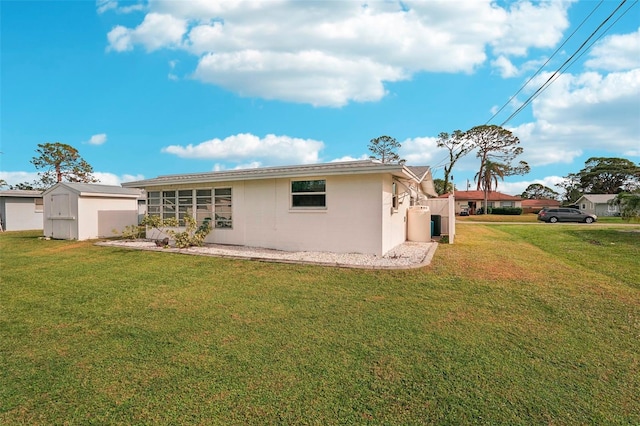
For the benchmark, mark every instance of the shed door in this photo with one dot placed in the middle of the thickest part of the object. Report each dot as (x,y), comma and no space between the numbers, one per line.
(61,217)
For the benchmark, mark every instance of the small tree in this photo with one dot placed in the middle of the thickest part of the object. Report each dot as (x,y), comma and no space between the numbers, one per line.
(537,191)
(629,206)
(458,146)
(488,178)
(440,187)
(384,149)
(571,187)
(496,144)
(61,162)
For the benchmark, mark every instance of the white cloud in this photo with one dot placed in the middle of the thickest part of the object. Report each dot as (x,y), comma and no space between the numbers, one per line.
(421,151)
(583,112)
(530,25)
(107,178)
(155,32)
(98,139)
(517,188)
(106,5)
(505,67)
(616,53)
(350,158)
(333,53)
(270,150)
(310,76)
(13,178)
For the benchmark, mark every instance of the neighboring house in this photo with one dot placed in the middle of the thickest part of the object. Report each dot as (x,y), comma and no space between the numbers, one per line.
(535,205)
(20,210)
(83,211)
(474,200)
(598,204)
(343,207)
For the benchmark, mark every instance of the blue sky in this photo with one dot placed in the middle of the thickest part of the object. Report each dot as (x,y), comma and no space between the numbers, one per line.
(148,88)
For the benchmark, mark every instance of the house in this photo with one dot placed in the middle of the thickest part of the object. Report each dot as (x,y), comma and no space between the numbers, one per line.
(471,201)
(20,210)
(343,207)
(535,205)
(82,211)
(598,204)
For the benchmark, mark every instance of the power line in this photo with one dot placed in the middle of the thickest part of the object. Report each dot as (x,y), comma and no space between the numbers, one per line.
(554,78)
(564,66)
(546,62)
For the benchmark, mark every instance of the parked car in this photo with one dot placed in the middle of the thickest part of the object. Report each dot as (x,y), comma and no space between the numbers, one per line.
(464,211)
(565,214)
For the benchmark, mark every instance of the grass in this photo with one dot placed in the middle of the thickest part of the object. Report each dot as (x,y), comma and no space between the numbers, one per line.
(527,217)
(513,324)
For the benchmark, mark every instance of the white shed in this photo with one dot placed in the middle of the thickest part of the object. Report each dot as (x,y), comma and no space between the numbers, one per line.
(20,210)
(82,211)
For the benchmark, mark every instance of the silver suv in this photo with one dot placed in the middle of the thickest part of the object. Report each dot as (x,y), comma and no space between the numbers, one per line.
(565,214)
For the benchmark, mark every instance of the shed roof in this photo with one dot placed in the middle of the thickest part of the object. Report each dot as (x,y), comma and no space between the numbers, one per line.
(95,190)
(21,193)
(336,168)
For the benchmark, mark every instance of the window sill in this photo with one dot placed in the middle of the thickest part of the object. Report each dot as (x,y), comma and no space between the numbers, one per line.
(307,210)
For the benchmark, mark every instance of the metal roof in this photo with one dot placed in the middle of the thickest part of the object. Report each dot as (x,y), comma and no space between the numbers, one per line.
(86,189)
(336,168)
(21,193)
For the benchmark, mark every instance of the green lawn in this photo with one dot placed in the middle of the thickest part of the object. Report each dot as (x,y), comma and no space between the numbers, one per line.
(513,324)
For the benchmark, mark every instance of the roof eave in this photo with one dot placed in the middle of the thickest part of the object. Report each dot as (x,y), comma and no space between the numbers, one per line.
(261,174)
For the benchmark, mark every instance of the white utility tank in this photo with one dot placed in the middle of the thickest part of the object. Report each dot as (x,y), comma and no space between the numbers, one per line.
(419,224)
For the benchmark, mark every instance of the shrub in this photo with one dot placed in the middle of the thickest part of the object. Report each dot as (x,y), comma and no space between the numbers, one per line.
(131,232)
(512,211)
(160,225)
(192,235)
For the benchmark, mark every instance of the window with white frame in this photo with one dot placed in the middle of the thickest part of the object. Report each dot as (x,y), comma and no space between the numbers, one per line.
(203,205)
(508,204)
(185,205)
(222,208)
(309,194)
(39,204)
(177,204)
(169,204)
(394,196)
(154,207)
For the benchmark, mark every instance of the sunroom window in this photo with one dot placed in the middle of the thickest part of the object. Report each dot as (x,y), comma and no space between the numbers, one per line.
(178,204)
(168,204)
(222,208)
(308,194)
(153,203)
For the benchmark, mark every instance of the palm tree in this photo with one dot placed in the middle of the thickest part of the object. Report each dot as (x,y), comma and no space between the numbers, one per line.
(487,178)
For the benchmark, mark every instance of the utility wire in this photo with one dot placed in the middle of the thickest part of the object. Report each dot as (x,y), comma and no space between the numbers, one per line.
(546,62)
(588,47)
(562,68)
